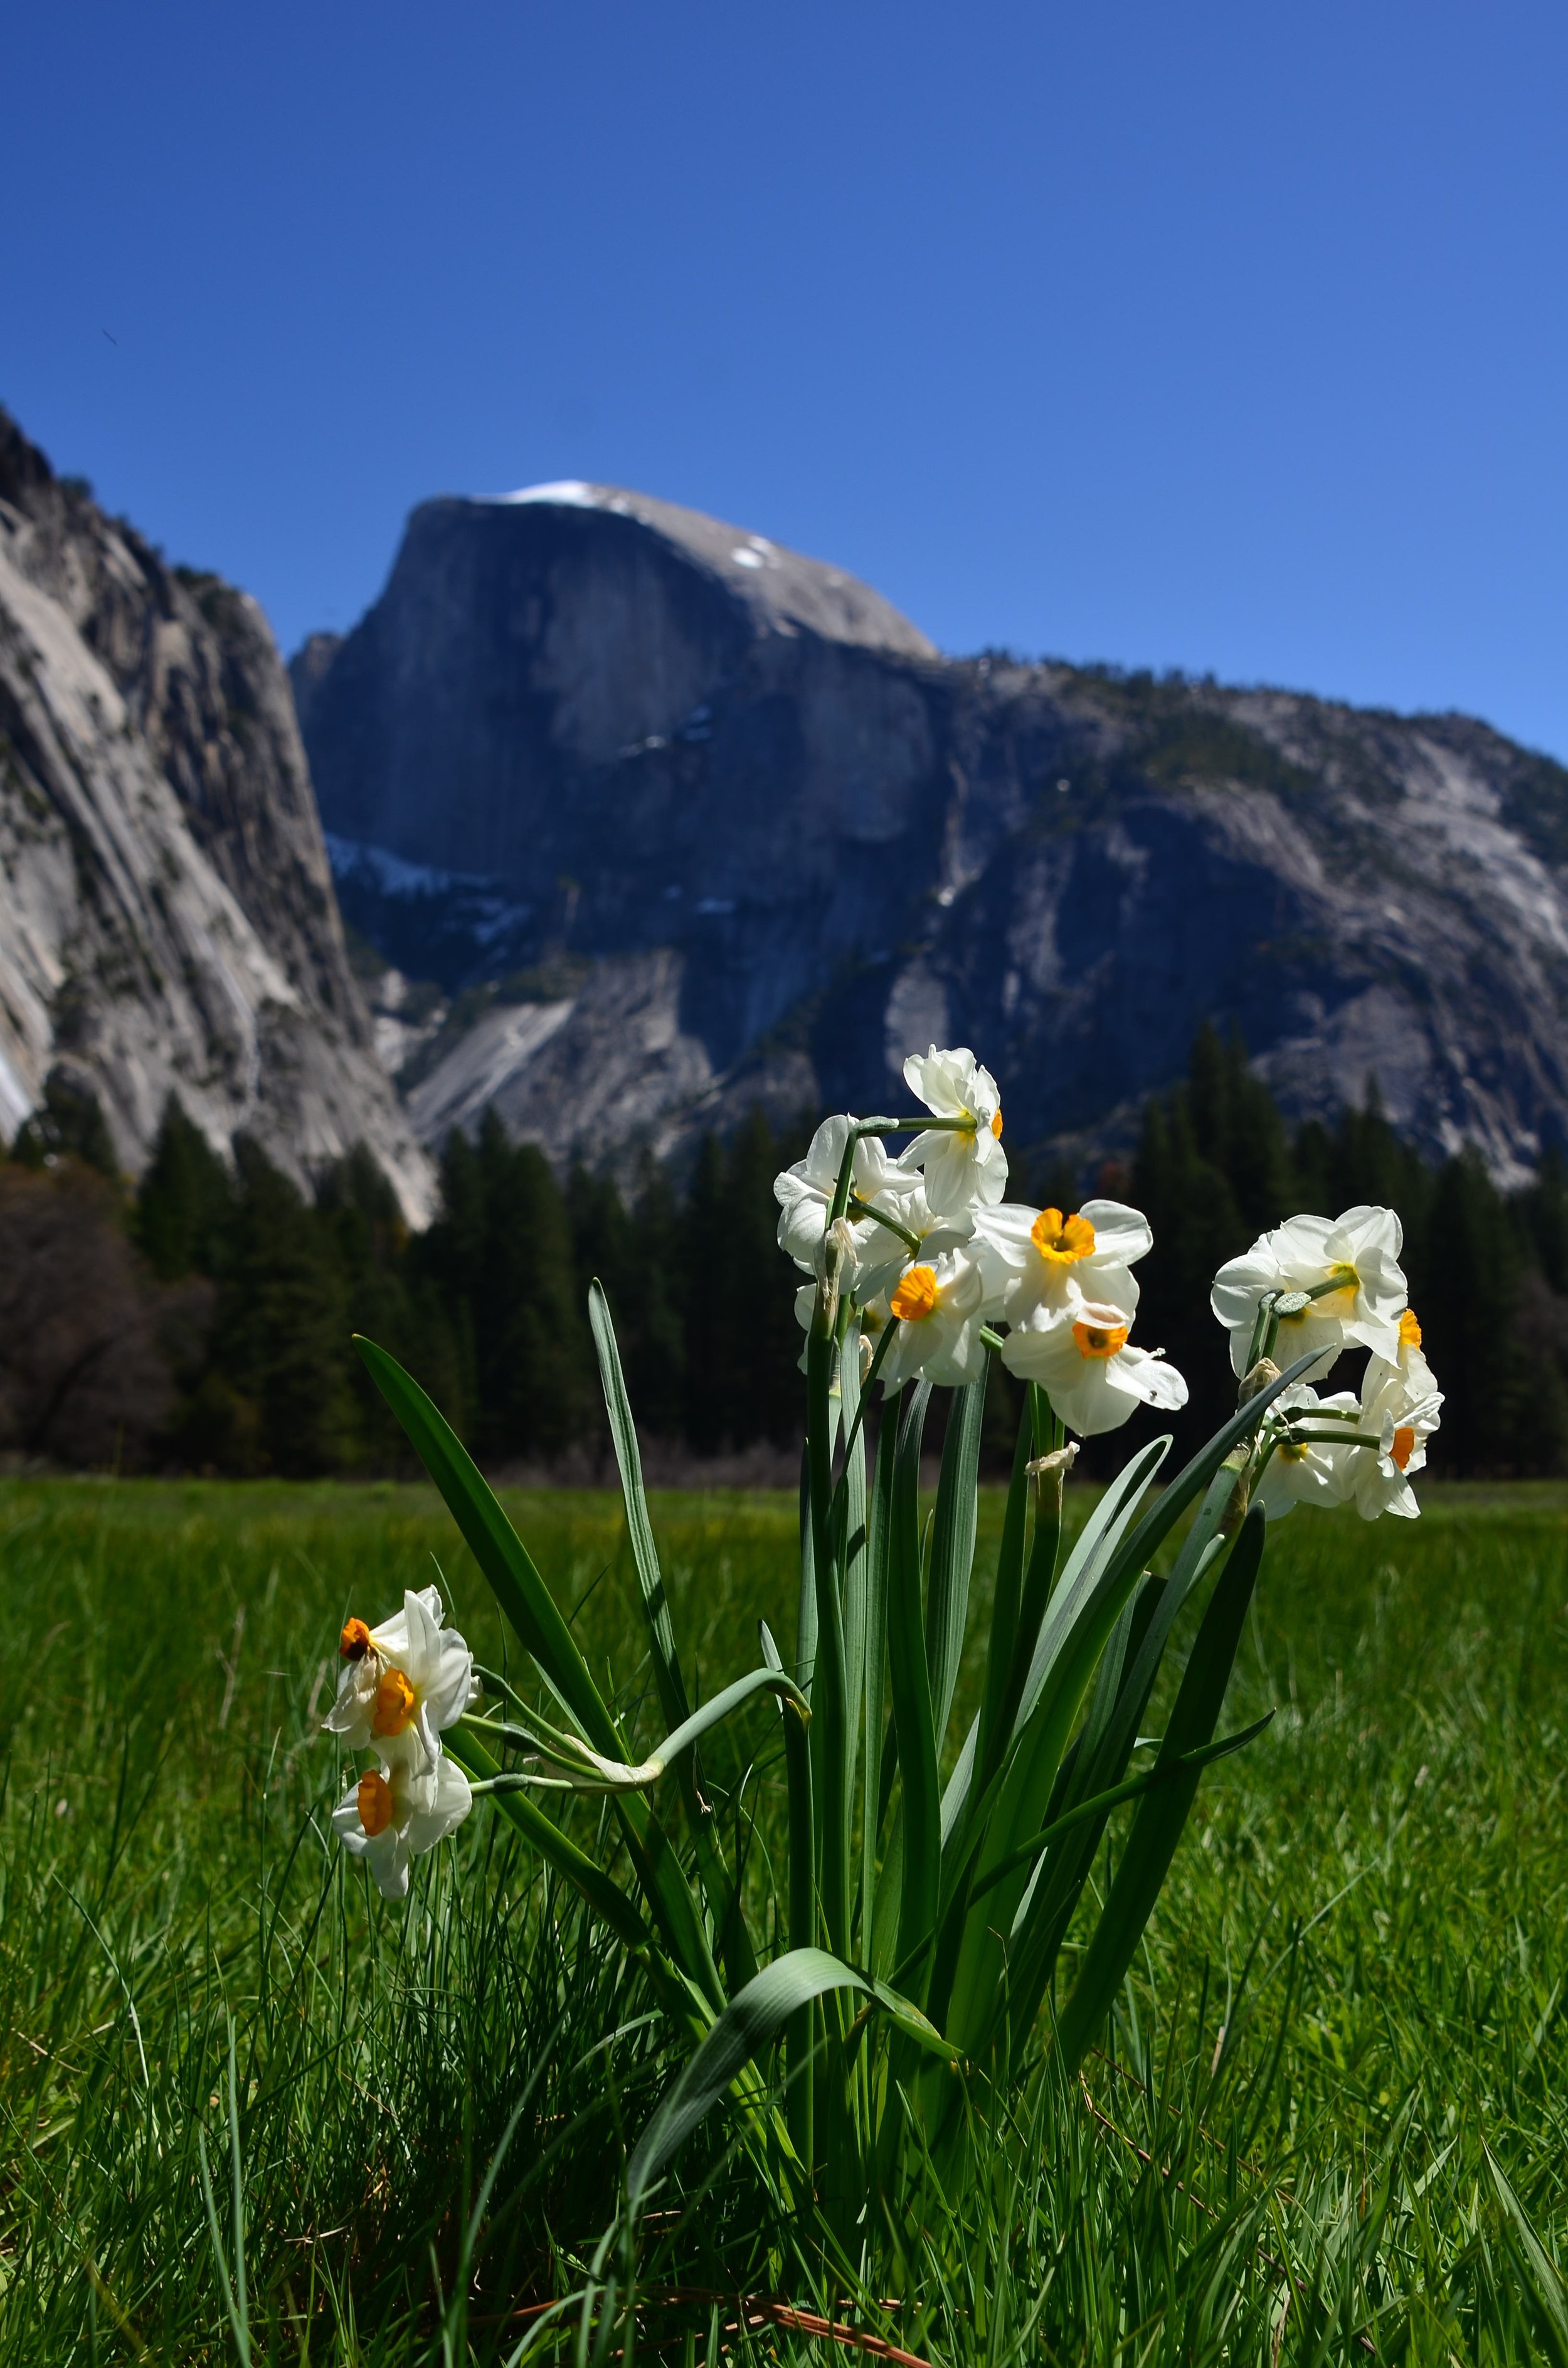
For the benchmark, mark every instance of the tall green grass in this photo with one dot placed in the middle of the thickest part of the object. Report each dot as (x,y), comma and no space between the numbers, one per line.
(1331,2114)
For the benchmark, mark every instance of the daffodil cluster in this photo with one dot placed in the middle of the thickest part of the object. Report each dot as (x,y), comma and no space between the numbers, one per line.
(936,1267)
(933,1259)
(1317,1284)
(401,1684)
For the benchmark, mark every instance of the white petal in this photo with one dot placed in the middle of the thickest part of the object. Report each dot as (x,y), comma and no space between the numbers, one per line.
(449,1805)
(1120,1232)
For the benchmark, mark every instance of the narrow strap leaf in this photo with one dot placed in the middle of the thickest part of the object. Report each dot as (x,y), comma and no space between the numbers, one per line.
(723,1905)
(953,1547)
(747,2025)
(673,1699)
(495,1544)
(1005,1602)
(1161,1814)
(911,1687)
(531,1609)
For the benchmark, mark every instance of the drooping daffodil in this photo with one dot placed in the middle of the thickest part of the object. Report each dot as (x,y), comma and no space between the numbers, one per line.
(1399,1408)
(1082,1358)
(402,1682)
(1351,1263)
(394,1812)
(965,1164)
(1035,1258)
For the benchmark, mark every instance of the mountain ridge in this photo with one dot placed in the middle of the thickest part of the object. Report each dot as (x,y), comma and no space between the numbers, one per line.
(167,918)
(779,858)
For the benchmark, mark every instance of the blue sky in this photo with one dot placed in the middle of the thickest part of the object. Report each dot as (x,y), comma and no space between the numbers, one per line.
(1215,336)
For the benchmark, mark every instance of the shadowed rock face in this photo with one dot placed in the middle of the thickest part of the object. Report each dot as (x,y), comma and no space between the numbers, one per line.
(167,920)
(765,825)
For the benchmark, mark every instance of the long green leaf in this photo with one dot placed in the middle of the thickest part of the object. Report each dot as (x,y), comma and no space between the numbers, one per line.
(1161,1814)
(1100,1576)
(802,1907)
(529,1606)
(496,1546)
(806,1619)
(913,1715)
(856,1551)
(879,1542)
(723,1902)
(953,1547)
(667,1677)
(747,2025)
(1007,1595)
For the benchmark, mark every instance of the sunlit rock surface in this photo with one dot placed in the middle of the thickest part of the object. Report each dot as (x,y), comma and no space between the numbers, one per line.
(696,821)
(167,921)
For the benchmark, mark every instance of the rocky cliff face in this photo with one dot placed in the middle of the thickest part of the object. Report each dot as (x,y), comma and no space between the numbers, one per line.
(696,821)
(167,920)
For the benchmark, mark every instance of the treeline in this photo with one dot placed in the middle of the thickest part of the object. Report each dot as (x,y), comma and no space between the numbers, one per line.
(203,1322)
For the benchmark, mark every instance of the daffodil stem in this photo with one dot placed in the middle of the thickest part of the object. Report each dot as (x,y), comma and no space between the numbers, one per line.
(879,1216)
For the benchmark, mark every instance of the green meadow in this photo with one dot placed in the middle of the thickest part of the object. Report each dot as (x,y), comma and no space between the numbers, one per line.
(246,2108)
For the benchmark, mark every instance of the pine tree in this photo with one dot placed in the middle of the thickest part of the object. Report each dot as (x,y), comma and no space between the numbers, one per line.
(184,1208)
(282,1338)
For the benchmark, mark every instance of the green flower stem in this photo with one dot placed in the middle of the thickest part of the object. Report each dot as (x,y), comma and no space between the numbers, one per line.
(878,1216)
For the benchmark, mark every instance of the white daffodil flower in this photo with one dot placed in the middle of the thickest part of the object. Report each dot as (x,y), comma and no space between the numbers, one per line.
(938,1303)
(804,1192)
(882,1255)
(1080,1357)
(1308,1472)
(393,1813)
(967,1163)
(1399,1403)
(1356,1255)
(1035,1258)
(403,1683)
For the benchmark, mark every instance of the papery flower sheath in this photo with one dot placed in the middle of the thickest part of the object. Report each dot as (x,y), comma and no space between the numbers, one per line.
(1035,1258)
(1356,1254)
(394,1812)
(1082,1358)
(402,1682)
(963,1165)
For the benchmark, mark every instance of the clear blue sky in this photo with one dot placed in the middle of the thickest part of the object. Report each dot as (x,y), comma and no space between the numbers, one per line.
(1209,335)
